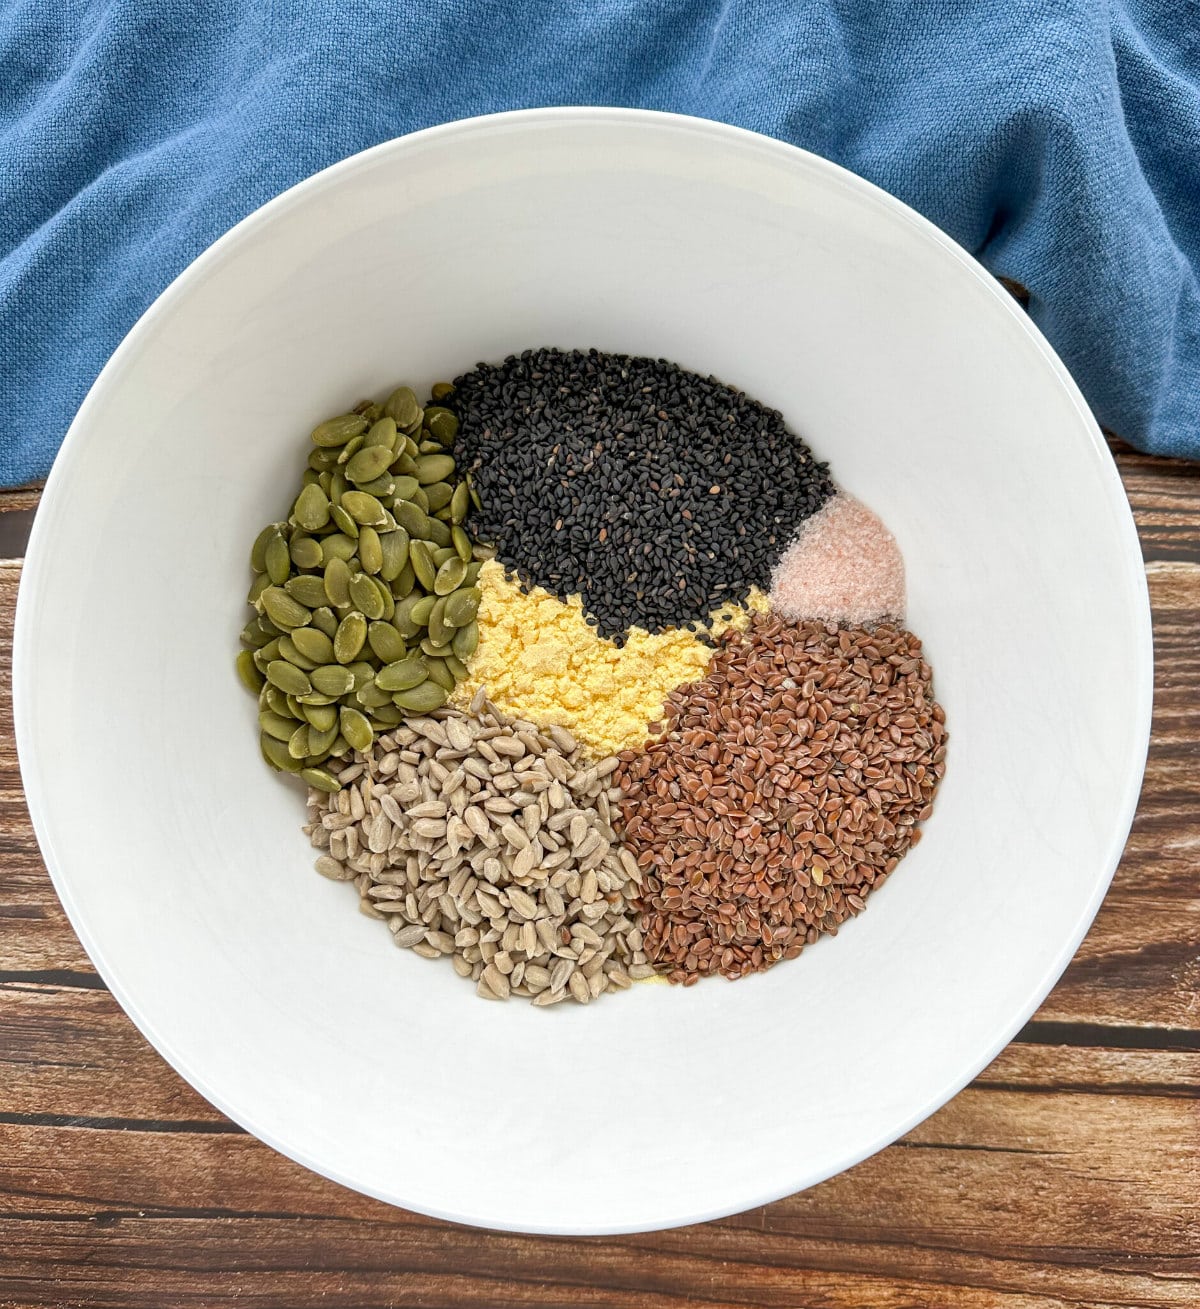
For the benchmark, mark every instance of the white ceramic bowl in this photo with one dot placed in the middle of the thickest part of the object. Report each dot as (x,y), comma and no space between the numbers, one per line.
(179,857)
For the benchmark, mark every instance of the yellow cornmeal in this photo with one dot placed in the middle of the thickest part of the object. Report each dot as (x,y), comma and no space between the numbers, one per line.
(539,660)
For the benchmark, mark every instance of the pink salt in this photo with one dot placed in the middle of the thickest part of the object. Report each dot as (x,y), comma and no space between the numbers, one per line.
(844,566)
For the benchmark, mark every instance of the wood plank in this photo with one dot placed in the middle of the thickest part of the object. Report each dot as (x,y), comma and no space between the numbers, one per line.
(1165,497)
(1089,1198)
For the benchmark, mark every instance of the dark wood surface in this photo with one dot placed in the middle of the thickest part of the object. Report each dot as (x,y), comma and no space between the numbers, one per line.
(1067,1174)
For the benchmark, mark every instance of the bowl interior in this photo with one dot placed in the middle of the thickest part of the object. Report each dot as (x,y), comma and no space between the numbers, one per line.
(180,859)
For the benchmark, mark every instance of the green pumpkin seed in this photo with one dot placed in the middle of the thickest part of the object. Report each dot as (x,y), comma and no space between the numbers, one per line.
(433,650)
(305,552)
(364,674)
(442,553)
(264,655)
(258,551)
(350,449)
(386,643)
(438,532)
(472,574)
(404,584)
(313,698)
(440,390)
(348,642)
(282,610)
(322,460)
(439,673)
(324,620)
(332,679)
(402,407)
(312,508)
(320,780)
(402,675)
(387,715)
(320,740)
(364,508)
(337,582)
(295,709)
(404,465)
(443,515)
(458,669)
(466,640)
(298,742)
(276,754)
(277,726)
(462,606)
(289,651)
(382,488)
(364,597)
(421,558)
(421,610)
(345,524)
(383,433)
(337,546)
(439,495)
(356,729)
(257,632)
(321,716)
(406,487)
(288,677)
(421,699)
(449,576)
(307,589)
(461,543)
(310,477)
(278,560)
(276,701)
(247,670)
(402,620)
(442,423)
(371,697)
(394,554)
(440,632)
(369,463)
(385,594)
(428,446)
(337,431)
(313,644)
(475,500)
(420,499)
(257,587)
(370,550)
(460,502)
(415,521)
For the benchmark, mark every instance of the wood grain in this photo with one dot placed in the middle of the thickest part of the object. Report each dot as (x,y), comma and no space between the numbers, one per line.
(1066,1175)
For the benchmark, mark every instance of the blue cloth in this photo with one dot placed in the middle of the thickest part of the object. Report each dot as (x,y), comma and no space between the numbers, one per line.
(1059,140)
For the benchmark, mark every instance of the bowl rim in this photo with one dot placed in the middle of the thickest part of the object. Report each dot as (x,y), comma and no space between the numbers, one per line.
(24,655)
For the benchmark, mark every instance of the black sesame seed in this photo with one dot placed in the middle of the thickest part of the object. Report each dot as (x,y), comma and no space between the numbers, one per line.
(586,462)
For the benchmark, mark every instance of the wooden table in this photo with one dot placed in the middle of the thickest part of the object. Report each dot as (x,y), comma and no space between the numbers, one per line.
(1068,1174)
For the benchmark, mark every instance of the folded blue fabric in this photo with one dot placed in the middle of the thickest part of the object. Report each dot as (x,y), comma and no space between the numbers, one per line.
(1058,140)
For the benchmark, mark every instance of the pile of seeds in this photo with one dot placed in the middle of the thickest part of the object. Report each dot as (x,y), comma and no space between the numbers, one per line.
(654,494)
(489,840)
(366,595)
(788,783)
(455,701)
